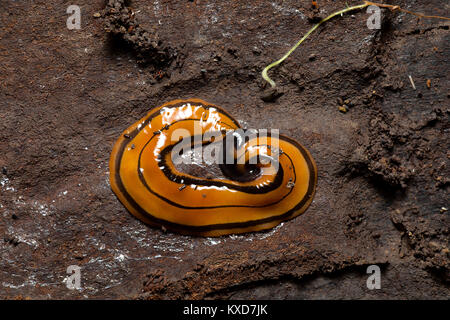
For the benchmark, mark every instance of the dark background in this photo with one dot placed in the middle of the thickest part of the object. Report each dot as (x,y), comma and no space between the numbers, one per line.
(66,95)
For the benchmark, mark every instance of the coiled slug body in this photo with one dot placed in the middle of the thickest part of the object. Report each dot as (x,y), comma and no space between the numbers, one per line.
(250,197)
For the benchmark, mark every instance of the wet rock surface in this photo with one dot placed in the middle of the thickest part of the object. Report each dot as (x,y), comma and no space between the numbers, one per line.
(382,197)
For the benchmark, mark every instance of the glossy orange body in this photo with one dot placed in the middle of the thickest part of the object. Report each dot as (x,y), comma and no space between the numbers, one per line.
(146,181)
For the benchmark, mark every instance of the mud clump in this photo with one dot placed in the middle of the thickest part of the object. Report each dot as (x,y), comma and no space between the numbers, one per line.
(425,239)
(150,49)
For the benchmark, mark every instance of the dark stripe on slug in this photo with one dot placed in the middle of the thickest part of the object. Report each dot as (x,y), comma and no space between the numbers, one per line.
(248,189)
(188,180)
(177,105)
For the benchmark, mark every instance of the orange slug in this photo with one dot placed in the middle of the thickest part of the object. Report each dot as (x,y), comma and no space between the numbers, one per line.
(271,178)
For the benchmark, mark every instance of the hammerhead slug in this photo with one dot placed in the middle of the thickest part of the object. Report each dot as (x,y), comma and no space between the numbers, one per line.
(267,178)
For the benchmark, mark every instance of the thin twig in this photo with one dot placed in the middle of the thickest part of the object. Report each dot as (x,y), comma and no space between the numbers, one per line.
(361,6)
(273,64)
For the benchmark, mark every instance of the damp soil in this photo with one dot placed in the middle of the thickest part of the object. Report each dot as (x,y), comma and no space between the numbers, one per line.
(381,147)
